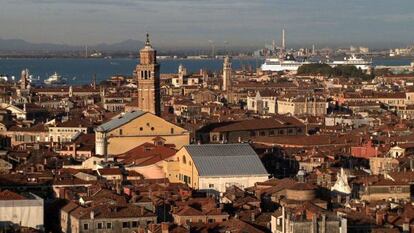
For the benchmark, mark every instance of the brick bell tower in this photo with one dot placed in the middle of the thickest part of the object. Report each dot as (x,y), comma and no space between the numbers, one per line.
(148,75)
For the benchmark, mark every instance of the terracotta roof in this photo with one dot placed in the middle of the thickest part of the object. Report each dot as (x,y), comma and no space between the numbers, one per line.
(7,195)
(146,154)
(111,211)
(313,140)
(34,128)
(269,123)
(232,225)
(109,171)
(302,186)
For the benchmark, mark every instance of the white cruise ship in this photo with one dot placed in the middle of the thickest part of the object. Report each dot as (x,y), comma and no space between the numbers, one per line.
(289,63)
(359,63)
(54,79)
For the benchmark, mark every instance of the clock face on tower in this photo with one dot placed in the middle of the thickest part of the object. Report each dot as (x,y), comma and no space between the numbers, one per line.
(148,80)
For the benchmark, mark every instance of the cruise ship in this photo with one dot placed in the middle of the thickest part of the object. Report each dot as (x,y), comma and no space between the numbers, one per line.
(54,79)
(288,63)
(358,62)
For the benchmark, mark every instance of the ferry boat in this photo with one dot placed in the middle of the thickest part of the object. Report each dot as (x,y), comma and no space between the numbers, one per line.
(288,63)
(54,79)
(358,62)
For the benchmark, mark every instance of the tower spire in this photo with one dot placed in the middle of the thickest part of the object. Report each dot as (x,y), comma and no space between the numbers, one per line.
(147,42)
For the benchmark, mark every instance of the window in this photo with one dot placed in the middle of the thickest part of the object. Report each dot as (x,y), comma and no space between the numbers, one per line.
(172,130)
(120,132)
(134,224)
(86,226)
(211,186)
(187,179)
(184,160)
(108,225)
(100,225)
(271,132)
(252,133)
(140,129)
(262,133)
(125,224)
(152,128)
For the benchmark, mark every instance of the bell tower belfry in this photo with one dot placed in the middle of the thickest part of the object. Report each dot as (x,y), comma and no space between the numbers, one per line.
(148,80)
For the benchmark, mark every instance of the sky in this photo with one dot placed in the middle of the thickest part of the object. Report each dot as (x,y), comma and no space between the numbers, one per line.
(193,23)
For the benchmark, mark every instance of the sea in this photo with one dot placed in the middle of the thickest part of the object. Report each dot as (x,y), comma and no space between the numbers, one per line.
(80,71)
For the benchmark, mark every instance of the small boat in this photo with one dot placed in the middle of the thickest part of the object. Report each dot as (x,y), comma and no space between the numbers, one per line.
(4,78)
(34,80)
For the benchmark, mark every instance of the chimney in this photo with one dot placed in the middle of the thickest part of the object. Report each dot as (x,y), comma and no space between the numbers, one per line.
(164,227)
(323,224)
(406,227)
(314,228)
(252,217)
(379,218)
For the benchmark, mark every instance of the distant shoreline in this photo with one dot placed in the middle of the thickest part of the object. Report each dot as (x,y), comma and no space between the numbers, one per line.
(3,57)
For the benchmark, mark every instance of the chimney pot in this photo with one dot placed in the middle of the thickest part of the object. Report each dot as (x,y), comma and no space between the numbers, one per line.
(164,227)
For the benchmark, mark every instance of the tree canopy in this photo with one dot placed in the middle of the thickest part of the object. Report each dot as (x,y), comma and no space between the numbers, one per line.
(347,71)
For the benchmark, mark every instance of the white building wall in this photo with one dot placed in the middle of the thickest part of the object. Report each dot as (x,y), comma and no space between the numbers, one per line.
(271,105)
(175,82)
(285,107)
(273,224)
(220,183)
(251,104)
(28,213)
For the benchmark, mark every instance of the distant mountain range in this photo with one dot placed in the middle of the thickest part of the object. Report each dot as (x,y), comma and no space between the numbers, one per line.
(18,45)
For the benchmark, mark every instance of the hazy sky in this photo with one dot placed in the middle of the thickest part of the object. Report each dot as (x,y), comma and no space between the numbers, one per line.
(195,22)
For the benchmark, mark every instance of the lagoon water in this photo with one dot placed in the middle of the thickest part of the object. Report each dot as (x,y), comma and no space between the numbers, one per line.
(81,71)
